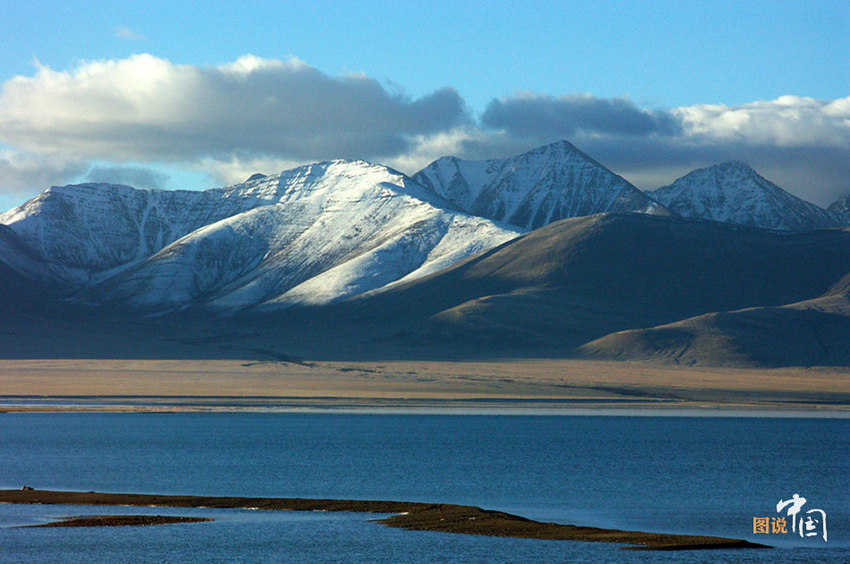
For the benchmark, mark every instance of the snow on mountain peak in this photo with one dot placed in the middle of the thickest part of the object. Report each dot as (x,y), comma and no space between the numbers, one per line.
(313,234)
(91,227)
(733,192)
(533,189)
(94,227)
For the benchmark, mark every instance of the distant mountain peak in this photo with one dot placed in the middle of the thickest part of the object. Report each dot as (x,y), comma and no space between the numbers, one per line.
(561,149)
(529,190)
(562,145)
(733,192)
(840,209)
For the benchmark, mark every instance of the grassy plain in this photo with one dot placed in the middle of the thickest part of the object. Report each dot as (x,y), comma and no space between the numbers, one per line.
(232,384)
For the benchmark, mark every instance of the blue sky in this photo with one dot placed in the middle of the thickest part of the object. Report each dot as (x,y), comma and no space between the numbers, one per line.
(173,94)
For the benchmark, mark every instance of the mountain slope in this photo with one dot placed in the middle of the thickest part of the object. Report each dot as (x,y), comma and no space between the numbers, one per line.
(809,333)
(21,264)
(841,210)
(314,234)
(547,184)
(90,228)
(598,286)
(732,192)
(580,279)
(21,269)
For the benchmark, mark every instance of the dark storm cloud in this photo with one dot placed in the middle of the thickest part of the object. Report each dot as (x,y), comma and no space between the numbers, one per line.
(566,116)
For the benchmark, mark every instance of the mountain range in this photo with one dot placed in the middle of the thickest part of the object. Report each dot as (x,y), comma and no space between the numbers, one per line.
(314,234)
(534,189)
(548,253)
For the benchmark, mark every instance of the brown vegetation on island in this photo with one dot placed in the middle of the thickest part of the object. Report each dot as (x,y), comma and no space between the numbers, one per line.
(121,521)
(440,517)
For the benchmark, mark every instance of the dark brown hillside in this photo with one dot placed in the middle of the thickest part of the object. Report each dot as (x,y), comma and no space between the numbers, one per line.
(813,333)
(546,294)
(579,279)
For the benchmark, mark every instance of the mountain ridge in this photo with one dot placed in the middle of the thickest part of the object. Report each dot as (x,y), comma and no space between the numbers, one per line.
(534,189)
(356,225)
(840,209)
(732,192)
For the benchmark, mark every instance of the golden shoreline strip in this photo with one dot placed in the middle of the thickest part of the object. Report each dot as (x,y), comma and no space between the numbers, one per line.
(376,383)
(439,517)
(194,404)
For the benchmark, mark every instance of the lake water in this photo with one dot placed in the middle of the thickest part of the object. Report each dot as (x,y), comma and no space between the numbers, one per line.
(681,474)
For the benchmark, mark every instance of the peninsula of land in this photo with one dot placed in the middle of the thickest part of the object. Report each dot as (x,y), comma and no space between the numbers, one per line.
(447,518)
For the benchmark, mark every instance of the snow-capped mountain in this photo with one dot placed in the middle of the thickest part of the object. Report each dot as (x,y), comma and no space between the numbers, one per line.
(536,188)
(314,234)
(840,210)
(86,229)
(733,192)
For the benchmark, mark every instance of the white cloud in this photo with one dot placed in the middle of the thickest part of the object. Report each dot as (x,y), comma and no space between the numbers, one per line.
(425,149)
(265,115)
(788,121)
(130,175)
(235,169)
(23,175)
(145,108)
(124,32)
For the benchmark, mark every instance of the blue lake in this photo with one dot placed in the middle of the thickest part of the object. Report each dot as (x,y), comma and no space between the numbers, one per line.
(700,475)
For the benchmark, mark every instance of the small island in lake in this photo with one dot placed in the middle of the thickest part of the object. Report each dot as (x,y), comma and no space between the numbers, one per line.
(440,517)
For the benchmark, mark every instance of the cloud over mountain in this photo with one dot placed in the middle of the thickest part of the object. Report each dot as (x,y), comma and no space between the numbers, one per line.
(131,175)
(23,173)
(144,108)
(788,121)
(533,114)
(258,114)
(801,142)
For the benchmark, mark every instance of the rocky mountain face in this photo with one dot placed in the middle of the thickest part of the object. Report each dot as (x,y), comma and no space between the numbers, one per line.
(82,230)
(534,189)
(314,234)
(732,192)
(840,209)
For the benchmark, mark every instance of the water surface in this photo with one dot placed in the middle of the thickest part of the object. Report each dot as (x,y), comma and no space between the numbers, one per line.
(699,475)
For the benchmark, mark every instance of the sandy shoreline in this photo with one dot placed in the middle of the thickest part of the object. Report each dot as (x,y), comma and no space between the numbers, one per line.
(193,385)
(412,407)
(446,518)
